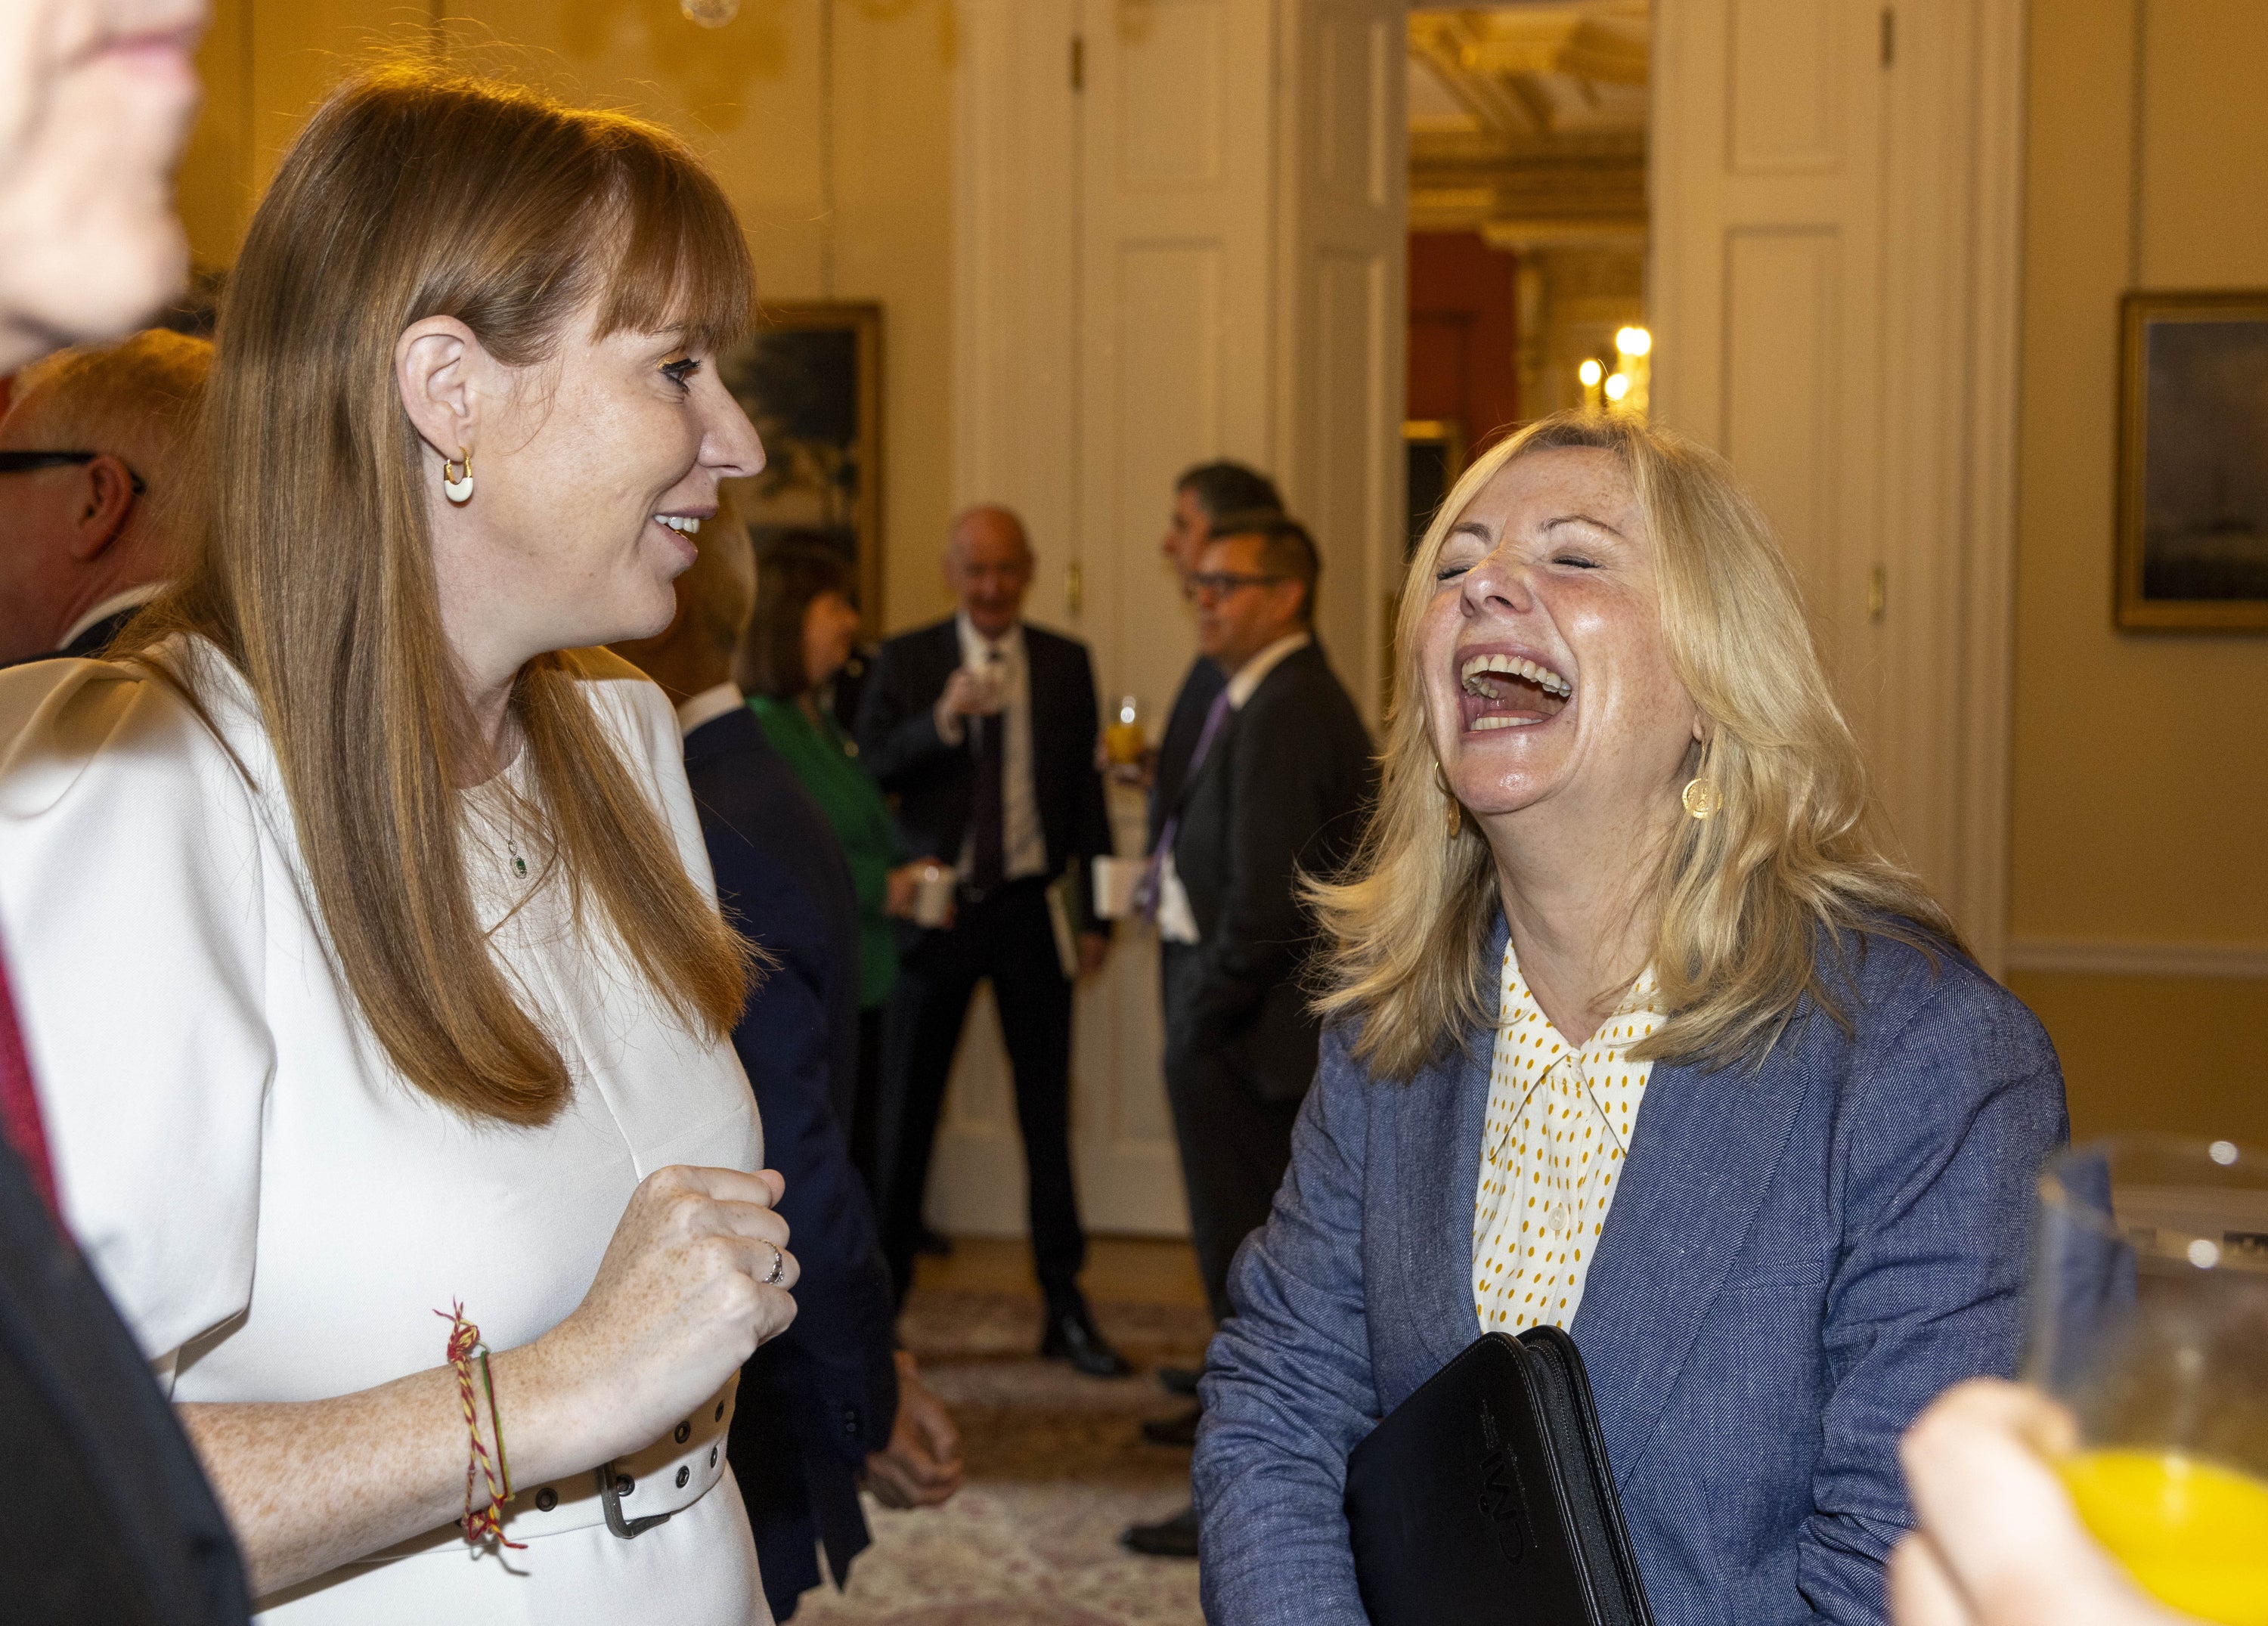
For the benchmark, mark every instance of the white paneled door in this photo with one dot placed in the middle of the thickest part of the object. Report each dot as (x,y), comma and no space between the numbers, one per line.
(1180,229)
(1833,299)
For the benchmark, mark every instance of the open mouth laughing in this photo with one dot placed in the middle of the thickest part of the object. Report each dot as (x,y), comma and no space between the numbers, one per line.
(1502,690)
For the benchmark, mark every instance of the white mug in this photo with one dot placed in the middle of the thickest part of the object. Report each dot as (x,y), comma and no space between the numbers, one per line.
(991,685)
(933,896)
(1115,881)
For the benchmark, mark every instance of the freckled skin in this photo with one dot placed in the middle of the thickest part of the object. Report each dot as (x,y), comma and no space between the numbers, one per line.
(1554,557)
(572,457)
(1582,596)
(557,549)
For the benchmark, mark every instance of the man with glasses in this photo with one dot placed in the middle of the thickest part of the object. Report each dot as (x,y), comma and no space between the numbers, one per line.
(89,434)
(1280,777)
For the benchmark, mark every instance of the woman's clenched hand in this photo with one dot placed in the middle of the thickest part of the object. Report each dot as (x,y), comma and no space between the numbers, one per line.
(682,1299)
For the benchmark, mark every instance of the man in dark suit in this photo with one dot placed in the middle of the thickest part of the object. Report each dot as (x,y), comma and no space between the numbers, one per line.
(1209,499)
(984,730)
(89,433)
(1204,496)
(1281,777)
(829,1402)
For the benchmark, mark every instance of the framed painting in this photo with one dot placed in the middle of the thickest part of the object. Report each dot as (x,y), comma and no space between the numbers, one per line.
(810,379)
(2193,551)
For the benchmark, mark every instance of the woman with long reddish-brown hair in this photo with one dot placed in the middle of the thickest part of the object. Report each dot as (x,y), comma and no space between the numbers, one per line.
(371,964)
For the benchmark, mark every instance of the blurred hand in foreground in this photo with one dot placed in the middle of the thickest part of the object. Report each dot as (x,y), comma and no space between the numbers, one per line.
(921,1466)
(1995,1539)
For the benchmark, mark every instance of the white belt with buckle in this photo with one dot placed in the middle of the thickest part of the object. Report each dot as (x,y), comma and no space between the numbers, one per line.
(630,1494)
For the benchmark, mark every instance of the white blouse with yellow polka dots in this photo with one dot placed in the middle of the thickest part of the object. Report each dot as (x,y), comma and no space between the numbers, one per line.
(1558,1127)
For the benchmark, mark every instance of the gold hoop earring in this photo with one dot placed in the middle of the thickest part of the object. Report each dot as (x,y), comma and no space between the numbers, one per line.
(1454,813)
(457,490)
(1701,797)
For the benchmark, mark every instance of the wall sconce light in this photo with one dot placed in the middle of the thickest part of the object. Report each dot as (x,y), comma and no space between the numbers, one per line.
(1590,372)
(1618,385)
(1633,341)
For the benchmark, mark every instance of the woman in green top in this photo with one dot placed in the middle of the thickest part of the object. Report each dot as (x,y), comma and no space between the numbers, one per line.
(805,627)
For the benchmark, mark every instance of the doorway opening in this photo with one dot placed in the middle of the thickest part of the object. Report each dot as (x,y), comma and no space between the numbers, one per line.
(1527,225)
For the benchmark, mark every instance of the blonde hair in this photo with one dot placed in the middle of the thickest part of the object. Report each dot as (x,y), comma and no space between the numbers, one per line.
(413,194)
(1742,898)
(136,398)
(718,590)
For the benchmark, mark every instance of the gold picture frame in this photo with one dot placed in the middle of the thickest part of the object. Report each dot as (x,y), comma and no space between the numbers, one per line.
(2192,496)
(810,378)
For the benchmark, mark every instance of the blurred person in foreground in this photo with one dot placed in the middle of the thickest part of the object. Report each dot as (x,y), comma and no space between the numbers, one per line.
(93,452)
(1995,1541)
(1630,1029)
(1275,788)
(424,1166)
(984,728)
(117,1524)
(829,1401)
(803,629)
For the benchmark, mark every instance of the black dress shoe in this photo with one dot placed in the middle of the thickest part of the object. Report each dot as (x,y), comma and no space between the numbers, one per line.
(1179,1430)
(1180,1380)
(933,1243)
(1072,1335)
(1168,1538)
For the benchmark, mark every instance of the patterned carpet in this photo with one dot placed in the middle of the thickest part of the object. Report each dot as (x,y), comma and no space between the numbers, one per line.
(1056,1470)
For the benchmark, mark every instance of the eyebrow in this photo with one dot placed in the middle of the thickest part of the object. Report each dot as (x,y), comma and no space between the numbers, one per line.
(1468,527)
(1582,519)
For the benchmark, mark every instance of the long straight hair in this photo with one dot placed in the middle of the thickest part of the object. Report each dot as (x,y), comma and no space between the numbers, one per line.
(414,194)
(1742,898)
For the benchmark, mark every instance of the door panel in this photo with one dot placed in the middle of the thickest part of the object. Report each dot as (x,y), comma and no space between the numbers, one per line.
(1832,292)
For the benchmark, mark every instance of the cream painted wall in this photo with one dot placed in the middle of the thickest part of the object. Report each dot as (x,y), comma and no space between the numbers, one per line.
(2140,762)
(749,97)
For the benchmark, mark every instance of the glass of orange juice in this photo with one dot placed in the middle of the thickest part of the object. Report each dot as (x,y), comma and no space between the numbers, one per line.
(1123,740)
(2149,1322)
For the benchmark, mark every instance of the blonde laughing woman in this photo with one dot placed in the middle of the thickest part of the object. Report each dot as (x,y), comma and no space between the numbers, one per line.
(1634,1030)
(369,960)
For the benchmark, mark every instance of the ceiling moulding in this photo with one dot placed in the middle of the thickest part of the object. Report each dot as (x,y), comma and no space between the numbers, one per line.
(1536,78)
(1554,203)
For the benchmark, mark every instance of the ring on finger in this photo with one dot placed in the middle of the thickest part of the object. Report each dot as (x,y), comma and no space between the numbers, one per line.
(779,1267)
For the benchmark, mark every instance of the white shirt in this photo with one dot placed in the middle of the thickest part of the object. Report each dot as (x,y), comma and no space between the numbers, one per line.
(132,598)
(1559,1122)
(276,1210)
(1023,844)
(707,706)
(1177,923)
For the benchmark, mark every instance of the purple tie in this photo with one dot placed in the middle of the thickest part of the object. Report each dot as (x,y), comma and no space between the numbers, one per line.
(1146,894)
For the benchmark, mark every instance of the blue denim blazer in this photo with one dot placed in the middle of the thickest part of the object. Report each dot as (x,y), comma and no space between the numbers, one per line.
(1800,1254)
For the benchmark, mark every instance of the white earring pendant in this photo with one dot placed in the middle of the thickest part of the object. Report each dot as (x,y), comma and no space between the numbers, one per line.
(459,491)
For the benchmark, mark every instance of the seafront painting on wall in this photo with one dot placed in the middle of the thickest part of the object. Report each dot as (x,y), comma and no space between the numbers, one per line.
(2193,463)
(810,378)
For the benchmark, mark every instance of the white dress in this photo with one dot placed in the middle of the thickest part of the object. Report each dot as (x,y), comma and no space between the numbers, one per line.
(276,1211)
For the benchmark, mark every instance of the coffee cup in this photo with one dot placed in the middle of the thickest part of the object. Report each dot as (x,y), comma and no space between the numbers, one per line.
(933,896)
(1115,881)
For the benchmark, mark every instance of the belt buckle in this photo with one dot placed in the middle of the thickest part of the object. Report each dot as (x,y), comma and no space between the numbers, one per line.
(628,1529)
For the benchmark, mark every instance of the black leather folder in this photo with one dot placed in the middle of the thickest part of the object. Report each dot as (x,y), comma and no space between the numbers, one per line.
(1484,1499)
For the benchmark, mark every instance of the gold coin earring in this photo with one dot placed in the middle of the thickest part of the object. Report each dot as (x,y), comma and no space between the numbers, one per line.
(1701,797)
(458,488)
(1454,814)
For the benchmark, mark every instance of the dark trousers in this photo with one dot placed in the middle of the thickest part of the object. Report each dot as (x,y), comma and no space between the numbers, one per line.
(1008,938)
(865,1128)
(1234,1145)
